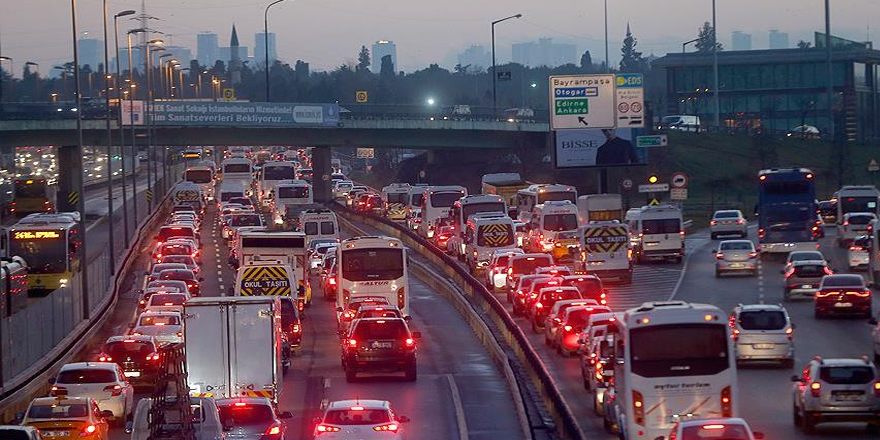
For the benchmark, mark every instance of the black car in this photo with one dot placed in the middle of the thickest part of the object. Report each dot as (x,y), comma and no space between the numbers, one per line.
(842,294)
(139,356)
(290,322)
(251,418)
(379,345)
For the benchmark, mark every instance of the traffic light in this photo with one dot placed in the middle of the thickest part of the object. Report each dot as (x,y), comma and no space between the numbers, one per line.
(653,178)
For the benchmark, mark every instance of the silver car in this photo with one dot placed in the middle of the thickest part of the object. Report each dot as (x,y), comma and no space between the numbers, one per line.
(857,254)
(762,332)
(736,256)
(728,222)
(803,277)
(835,390)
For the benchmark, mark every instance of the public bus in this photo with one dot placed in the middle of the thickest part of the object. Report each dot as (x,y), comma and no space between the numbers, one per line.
(672,361)
(466,207)
(537,194)
(372,266)
(271,174)
(238,169)
(203,177)
(31,194)
(436,204)
(289,198)
(861,198)
(599,208)
(787,219)
(51,245)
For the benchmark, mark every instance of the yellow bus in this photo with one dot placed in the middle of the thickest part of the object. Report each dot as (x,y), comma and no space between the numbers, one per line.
(32,194)
(51,245)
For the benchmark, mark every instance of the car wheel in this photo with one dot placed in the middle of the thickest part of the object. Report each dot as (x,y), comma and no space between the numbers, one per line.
(585,381)
(411,373)
(786,296)
(717,273)
(796,416)
(350,375)
(596,406)
(808,424)
(817,314)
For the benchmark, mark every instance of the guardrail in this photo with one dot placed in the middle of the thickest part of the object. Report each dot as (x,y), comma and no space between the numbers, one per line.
(556,418)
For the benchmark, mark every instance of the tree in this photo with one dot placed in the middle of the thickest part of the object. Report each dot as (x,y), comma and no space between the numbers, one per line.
(631,60)
(804,44)
(461,69)
(386,69)
(586,61)
(705,39)
(363,60)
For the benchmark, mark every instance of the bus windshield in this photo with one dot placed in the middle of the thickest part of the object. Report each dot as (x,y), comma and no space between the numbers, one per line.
(469,210)
(661,226)
(237,168)
(397,197)
(293,192)
(786,214)
(279,173)
(372,264)
(858,204)
(445,199)
(657,351)
(35,189)
(571,196)
(786,188)
(43,256)
(199,176)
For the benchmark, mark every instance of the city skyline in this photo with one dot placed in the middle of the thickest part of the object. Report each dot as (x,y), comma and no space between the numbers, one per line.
(302,31)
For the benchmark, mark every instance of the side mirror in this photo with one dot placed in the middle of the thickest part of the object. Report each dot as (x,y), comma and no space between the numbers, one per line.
(19,417)
(403,419)
(286,415)
(795,378)
(201,279)
(107,414)
(758,435)
(782,271)
(417,335)
(793,326)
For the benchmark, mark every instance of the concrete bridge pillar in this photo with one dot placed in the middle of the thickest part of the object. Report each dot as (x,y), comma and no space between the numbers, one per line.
(70,176)
(322,169)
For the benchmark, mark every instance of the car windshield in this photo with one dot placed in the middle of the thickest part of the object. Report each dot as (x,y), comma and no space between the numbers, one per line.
(158,320)
(588,287)
(809,270)
(86,375)
(246,220)
(247,414)
(854,281)
(378,313)
(358,416)
(179,259)
(560,222)
(860,219)
(199,176)
(237,168)
(166,299)
(529,264)
(737,246)
(174,231)
(806,256)
(380,329)
(762,320)
(847,375)
(726,214)
(578,318)
(127,348)
(715,432)
(157,269)
(176,274)
(58,411)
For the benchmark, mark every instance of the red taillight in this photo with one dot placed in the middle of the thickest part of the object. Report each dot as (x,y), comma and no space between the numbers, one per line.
(788,333)
(828,270)
(322,428)
(846,223)
(401,298)
(740,221)
(567,328)
(115,390)
(726,402)
(638,408)
(734,334)
(760,232)
(275,429)
(713,223)
(538,305)
(826,293)
(410,342)
(719,255)
(855,249)
(790,272)
(104,358)
(352,343)
(88,430)
(331,281)
(389,427)
(877,389)
(753,254)
(815,389)
(861,294)
(296,328)
(153,357)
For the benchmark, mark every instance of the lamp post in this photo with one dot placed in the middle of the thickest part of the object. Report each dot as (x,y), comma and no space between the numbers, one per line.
(715,67)
(164,77)
(36,77)
(494,73)
(80,188)
(132,88)
(119,98)
(830,88)
(684,45)
(107,78)
(148,62)
(266,42)
(607,65)
(180,87)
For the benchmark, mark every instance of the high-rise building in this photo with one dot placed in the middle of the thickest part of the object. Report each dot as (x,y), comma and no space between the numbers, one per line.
(207,48)
(778,40)
(476,56)
(382,48)
(91,52)
(741,41)
(544,52)
(260,48)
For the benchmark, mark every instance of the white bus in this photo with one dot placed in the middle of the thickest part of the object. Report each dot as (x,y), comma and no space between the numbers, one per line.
(372,266)
(202,176)
(861,198)
(437,203)
(466,207)
(537,194)
(599,208)
(238,169)
(289,198)
(271,174)
(672,360)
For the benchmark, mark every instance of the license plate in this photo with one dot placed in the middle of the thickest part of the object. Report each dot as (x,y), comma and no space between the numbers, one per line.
(843,305)
(737,265)
(380,345)
(48,434)
(848,397)
(806,286)
(132,374)
(762,346)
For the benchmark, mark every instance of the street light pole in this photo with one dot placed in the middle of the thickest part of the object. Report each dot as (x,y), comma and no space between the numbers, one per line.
(135,162)
(494,73)
(266,42)
(11,70)
(119,98)
(830,91)
(80,187)
(110,231)
(607,65)
(715,66)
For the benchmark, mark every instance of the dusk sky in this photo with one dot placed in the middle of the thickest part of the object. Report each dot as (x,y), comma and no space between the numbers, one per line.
(327,33)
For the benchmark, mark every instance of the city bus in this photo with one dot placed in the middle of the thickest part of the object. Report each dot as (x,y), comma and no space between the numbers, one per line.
(787,219)
(51,245)
(203,177)
(537,194)
(372,266)
(271,174)
(289,198)
(31,194)
(599,208)
(672,361)
(861,198)
(238,169)
(436,204)
(466,207)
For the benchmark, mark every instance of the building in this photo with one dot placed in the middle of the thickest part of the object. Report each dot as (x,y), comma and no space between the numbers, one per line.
(544,52)
(260,48)
(741,41)
(778,40)
(779,89)
(91,52)
(180,53)
(382,48)
(477,57)
(208,48)
(235,59)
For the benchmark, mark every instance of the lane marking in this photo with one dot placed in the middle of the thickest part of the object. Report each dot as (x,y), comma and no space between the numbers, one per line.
(459,409)
(684,267)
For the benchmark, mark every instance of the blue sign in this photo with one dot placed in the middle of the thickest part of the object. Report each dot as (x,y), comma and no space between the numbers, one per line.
(576,92)
(244,114)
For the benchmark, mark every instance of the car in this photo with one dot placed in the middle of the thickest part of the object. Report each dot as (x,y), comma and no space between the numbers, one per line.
(153,275)
(185,275)
(359,419)
(762,332)
(68,418)
(524,264)
(858,253)
(166,302)
(727,428)
(590,287)
(802,278)
(172,231)
(206,420)
(842,294)
(596,370)
(804,131)
(441,238)
(728,222)
(573,322)
(854,224)
(251,418)
(291,324)
(828,211)
(556,271)
(16,432)
(138,356)
(104,382)
(380,344)
(517,295)
(554,317)
(544,302)
(328,282)
(521,231)
(168,285)
(346,315)
(736,256)
(187,260)
(496,278)
(835,390)
(147,293)
(176,247)
(528,300)
(316,255)
(804,256)
(166,327)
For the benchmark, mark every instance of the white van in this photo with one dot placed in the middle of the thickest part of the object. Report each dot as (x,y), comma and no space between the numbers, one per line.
(396,198)
(680,122)
(229,191)
(288,199)
(414,206)
(319,224)
(463,209)
(238,169)
(606,250)
(270,174)
(484,234)
(658,233)
(547,220)
(436,204)
(203,177)
(599,207)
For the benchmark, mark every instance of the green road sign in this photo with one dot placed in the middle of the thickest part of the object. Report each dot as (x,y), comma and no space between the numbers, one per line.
(571,106)
(658,140)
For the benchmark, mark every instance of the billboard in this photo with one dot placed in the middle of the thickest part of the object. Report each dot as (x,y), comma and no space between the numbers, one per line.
(241,114)
(593,148)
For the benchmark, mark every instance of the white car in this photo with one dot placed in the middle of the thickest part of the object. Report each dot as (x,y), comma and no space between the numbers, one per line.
(103,381)
(360,420)
(857,254)
(164,326)
(729,428)
(728,222)
(166,302)
(736,256)
(206,420)
(854,224)
(496,271)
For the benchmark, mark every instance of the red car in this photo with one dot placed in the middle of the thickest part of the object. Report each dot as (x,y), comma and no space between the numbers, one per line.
(842,294)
